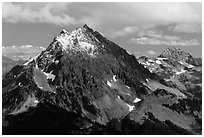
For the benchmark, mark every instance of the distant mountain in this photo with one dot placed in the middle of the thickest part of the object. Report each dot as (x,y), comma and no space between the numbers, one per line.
(84,83)
(21,62)
(199,61)
(8,64)
(175,68)
(179,55)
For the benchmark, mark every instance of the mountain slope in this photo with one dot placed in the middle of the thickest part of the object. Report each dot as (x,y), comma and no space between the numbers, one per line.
(84,78)
(80,76)
(184,78)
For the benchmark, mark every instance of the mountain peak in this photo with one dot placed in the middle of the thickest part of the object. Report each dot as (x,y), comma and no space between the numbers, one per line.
(172,49)
(178,54)
(83,29)
(64,31)
(174,52)
(86,26)
(79,40)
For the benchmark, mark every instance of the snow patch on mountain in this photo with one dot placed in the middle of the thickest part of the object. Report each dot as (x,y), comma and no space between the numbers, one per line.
(109,84)
(49,75)
(158,62)
(180,72)
(76,41)
(31,59)
(40,78)
(190,66)
(181,63)
(86,46)
(129,52)
(39,86)
(128,87)
(151,61)
(161,58)
(187,65)
(36,101)
(114,78)
(146,85)
(56,61)
(89,48)
(131,108)
(136,100)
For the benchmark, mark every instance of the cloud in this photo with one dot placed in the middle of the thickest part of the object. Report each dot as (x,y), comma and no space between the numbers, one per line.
(139,14)
(154,41)
(169,12)
(21,52)
(105,15)
(138,54)
(152,37)
(125,32)
(157,35)
(151,52)
(52,13)
(186,28)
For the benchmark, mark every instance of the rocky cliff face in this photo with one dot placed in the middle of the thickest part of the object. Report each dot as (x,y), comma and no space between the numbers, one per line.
(178,54)
(179,71)
(85,84)
(175,68)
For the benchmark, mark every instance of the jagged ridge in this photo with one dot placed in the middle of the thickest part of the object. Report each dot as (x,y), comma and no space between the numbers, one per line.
(178,54)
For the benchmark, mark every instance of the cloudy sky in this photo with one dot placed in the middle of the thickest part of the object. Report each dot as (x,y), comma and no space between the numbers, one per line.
(141,28)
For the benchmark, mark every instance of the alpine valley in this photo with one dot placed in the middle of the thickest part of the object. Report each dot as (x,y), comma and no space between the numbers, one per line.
(84,83)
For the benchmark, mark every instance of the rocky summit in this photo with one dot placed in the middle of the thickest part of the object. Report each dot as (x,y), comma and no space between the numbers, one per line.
(84,83)
(179,55)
